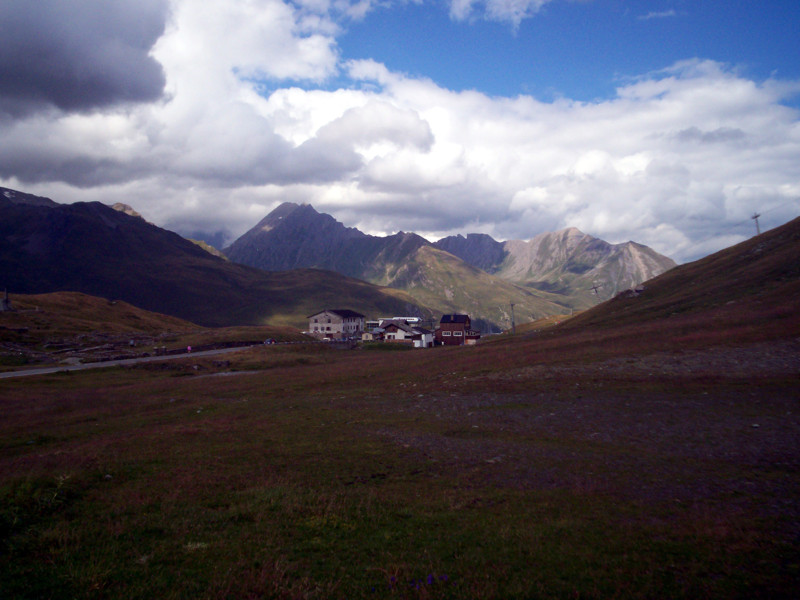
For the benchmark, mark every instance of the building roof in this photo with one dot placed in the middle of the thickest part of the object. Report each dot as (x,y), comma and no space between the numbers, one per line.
(399,325)
(454,319)
(342,312)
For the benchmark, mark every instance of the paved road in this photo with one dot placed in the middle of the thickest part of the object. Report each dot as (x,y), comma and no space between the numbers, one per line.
(114,363)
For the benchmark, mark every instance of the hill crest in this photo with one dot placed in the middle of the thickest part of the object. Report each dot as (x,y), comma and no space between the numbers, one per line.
(748,292)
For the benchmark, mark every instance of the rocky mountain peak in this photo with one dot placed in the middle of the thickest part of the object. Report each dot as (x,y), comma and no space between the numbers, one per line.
(276,217)
(567,263)
(127,209)
(570,232)
(293,236)
(478,249)
(17,197)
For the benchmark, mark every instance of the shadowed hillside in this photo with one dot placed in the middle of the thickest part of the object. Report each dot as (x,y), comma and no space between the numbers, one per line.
(70,327)
(74,313)
(94,249)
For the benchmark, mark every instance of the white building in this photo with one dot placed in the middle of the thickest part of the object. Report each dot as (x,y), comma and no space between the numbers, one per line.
(336,324)
(403,332)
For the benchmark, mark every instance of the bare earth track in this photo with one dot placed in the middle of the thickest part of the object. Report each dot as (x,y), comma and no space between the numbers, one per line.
(702,408)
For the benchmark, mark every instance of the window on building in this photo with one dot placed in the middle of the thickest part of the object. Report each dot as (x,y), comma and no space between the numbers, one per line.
(446,333)
(458,333)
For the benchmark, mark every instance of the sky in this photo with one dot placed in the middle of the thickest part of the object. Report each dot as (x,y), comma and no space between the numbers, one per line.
(667,122)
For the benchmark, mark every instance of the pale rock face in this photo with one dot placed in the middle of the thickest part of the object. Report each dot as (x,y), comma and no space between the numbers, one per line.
(127,209)
(569,262)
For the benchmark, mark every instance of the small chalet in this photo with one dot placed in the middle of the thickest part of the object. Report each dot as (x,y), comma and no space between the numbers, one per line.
(336,324)
(456,330)
(401,331)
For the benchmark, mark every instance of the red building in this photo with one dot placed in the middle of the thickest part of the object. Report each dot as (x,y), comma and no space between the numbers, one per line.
(456,330)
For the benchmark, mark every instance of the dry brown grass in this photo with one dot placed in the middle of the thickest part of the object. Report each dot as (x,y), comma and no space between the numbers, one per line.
(71,313)
(48,328)
(499,471)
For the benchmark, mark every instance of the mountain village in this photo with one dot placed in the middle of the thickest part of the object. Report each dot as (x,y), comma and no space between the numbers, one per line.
(349,325)
(296,260)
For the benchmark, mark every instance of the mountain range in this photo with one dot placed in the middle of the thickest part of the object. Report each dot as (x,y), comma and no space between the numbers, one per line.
(581,268)
(297,261)
(94,249)
(552,273)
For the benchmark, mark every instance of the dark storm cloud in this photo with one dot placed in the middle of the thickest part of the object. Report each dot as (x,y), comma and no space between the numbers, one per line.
(78,54)
(37,164)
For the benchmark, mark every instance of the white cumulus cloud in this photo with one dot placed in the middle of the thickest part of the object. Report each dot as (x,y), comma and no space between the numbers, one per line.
(256,107)
(511,11)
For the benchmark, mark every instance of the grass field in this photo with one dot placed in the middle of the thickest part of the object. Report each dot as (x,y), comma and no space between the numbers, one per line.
(509,470)
(646,448)
(46,329)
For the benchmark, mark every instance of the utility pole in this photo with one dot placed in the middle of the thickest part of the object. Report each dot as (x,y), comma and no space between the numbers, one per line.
(755,218)
(513,325)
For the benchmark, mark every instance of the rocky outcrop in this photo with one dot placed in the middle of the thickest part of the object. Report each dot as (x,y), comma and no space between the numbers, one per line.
(581,268)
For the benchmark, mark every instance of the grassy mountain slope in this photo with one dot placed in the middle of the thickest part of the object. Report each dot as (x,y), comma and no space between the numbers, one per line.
(750,291)
(208,248)
(74,313)
(445,282)
(91,248)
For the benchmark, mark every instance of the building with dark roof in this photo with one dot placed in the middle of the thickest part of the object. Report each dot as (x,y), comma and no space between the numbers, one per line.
(456,330)
(399,330)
